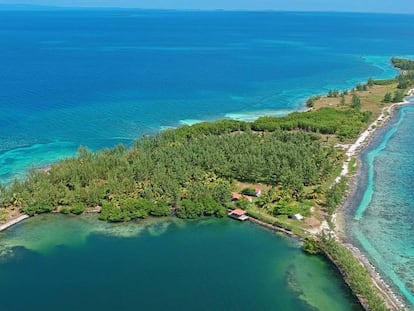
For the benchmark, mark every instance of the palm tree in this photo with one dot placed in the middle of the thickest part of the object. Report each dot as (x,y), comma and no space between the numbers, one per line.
(16,201)
(266,200)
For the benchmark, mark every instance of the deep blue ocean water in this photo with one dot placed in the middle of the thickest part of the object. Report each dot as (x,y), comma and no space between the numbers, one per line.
(103,77)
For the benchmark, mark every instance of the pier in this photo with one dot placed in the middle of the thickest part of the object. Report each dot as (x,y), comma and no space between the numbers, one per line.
(13,222)
(238,214)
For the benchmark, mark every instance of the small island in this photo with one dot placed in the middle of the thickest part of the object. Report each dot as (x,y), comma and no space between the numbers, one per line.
(286,173)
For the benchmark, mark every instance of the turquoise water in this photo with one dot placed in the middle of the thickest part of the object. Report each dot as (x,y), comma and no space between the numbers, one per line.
(103,77)
(99,78)
(382,208)
(77,263)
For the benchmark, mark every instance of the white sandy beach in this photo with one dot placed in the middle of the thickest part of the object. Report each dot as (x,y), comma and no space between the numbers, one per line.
(365,136)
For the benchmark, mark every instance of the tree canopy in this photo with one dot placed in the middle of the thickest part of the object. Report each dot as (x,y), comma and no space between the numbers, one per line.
(188,171)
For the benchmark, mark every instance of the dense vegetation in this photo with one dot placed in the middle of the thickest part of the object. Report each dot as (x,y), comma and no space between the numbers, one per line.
(189,170)
(346,123)
(335,195)
(311,101)
(406,78)
(355,274)
(169,170)
(403,64)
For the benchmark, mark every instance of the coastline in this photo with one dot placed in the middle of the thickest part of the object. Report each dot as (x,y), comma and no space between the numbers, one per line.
(13,222)
(356,148)
(365,137)
(353,150)
(393,300)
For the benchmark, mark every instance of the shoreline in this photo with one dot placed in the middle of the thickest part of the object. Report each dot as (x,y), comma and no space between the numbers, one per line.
(365,137)
(13,222)
(352,151)
(393,300)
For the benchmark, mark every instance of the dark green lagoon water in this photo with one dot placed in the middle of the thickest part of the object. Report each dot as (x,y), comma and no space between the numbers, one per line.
(58,262)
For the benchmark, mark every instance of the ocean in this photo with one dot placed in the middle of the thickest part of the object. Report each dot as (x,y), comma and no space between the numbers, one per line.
(380,214)
(102,77)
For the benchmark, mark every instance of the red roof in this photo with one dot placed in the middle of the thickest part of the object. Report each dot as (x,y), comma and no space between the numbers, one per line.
(236,196)
(238,212)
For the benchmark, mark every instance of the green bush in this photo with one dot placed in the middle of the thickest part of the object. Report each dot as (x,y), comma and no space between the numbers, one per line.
(403,64)
(335,195)
(398,96)
(387,98)
(37,208)
(355,102)
(77,208)
(325,120)
(160,209)
(311,246)
(65,210)
(249,191)
(356,274)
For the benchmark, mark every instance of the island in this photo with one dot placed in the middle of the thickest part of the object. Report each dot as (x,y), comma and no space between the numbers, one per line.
(289,174)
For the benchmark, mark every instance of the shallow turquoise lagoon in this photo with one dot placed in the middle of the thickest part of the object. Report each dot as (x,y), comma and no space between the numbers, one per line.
(103,77)
(381,212)
(58,262)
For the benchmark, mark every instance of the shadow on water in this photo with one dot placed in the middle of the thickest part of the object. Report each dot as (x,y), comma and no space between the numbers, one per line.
(82,263)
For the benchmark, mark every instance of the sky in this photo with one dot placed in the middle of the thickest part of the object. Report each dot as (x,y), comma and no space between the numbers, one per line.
(386,6)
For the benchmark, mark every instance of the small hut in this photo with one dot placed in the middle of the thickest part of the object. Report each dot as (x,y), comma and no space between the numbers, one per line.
(297,217)
(238,214)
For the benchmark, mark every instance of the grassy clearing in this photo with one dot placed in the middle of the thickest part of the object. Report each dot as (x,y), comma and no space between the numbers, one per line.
(371,99)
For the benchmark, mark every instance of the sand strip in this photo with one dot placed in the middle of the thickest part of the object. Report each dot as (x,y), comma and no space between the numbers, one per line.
(392,301)
(365,136)
(13,222)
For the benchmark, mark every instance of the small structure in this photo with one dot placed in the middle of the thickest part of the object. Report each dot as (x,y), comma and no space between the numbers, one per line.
(297,217)
(248,198)
(237,196)
(258,192)
(238,214)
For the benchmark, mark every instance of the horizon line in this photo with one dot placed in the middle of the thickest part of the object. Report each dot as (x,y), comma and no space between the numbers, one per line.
(39,7)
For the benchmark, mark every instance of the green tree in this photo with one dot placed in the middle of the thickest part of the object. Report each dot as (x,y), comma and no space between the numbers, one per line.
(398,96)
(403,82)
(342,102)
(311,246)
(310,103)
(355,102)
(333,93)
(361,87)
(387,97)
(160,209)
(249,191)
(265,201)
(77,208)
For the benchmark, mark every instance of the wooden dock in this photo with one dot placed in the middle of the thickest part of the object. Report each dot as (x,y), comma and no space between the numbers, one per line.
(13,222)
(238,214)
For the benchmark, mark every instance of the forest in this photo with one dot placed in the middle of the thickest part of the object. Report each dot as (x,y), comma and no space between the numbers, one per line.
(189,171)
(403,64)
